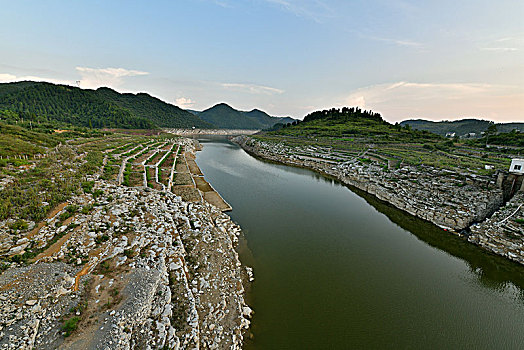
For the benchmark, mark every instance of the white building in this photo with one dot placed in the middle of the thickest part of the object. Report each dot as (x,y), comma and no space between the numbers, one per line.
(517,166)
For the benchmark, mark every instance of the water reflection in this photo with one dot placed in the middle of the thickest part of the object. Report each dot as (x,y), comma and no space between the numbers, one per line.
(492,271)
(341,269)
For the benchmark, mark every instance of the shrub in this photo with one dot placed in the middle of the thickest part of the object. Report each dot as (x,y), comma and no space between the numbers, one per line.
(104,266)
(129,253)
(87,209)
(97,193)
(70,326)
(19,225)
(101,239)
(87,186)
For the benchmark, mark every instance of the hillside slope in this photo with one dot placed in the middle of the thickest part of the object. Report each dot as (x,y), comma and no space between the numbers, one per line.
(347,123)
(226,117)
(159,112)
(41,101)
(460,127)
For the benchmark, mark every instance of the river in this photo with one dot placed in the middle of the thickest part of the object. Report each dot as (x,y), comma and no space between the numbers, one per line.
(335,269)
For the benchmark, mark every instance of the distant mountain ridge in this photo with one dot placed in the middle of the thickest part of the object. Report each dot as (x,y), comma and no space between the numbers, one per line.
(460,127)
(226,117)
(99,108)
(107,108)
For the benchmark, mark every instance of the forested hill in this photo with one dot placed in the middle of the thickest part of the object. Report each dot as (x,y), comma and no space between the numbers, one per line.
(347,123)
(225,116)
(159,112)
(102,108)
(460,127)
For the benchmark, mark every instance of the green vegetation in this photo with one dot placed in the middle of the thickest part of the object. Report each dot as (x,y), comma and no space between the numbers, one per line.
(41,188)
(70,326)
(129,253)
(513,138)
(32,251)
(42,104)
(110,170)
(352,122)
(351,133)
(127,174)
(460,127)
(19,225)
(226,117)
(104,267)
(87,186)
(153,109)
(101,239)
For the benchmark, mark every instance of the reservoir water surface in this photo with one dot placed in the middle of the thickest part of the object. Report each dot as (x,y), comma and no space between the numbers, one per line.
(339,270)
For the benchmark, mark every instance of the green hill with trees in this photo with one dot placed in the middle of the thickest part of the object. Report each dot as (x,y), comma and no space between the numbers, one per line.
(460,127)
(42,102)
(348,123)
(226,117)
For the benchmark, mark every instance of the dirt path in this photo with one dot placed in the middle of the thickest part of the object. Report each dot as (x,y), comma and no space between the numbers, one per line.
(41,224)
(83,272)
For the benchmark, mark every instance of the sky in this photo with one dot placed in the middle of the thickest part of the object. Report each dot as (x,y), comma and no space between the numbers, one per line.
(432,59)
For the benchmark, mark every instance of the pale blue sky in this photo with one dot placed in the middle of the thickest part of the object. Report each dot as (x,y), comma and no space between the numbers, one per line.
(406,59)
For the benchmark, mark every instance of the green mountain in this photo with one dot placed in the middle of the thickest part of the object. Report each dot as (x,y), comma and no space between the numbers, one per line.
(460,127)
(159,112)
(346,123)
(226,117)
(101,108)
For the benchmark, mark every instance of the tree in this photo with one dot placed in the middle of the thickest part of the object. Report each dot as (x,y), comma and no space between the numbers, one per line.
(492,129)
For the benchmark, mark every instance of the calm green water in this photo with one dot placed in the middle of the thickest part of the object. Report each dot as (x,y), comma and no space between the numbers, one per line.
(337,270)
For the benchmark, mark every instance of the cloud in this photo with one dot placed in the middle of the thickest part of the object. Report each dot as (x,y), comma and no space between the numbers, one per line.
(316,10)
(90,77)
(10,78)
(112,77)
(403,100)
(7,78)
(506,49)
(184,103)
(253,89)
(505,44)
(222,4)
(398,42)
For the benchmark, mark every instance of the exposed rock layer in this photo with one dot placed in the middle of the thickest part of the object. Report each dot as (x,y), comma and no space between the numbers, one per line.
(451,200)
(141,269)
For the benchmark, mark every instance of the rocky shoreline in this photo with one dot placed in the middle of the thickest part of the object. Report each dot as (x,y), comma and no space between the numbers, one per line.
(458,202)
(139,269)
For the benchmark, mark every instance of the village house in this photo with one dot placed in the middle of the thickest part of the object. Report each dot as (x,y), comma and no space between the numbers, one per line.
(517,166)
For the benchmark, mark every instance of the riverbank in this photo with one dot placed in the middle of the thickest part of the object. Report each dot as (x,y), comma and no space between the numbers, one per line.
(337,267)
(454,201)
(125,267)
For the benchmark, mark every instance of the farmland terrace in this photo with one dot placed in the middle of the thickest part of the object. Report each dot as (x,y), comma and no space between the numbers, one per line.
(109,241)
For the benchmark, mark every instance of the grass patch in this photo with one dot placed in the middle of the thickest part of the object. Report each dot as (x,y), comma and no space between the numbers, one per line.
(70,326)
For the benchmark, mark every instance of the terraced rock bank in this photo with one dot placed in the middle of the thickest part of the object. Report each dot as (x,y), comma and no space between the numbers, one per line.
(451,200)
(503,232)
(126,268)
